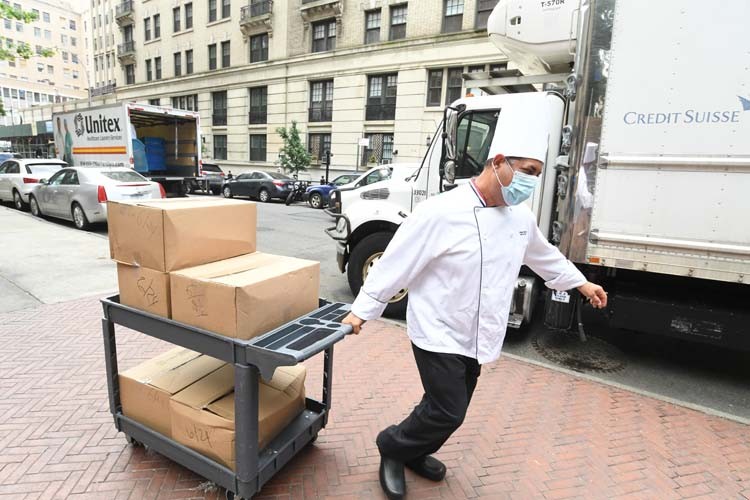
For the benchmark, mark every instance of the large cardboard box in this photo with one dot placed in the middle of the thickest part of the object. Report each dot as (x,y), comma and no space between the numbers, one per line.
(245,296)
(170,234)
(203,414)
(144,289)
(145,389)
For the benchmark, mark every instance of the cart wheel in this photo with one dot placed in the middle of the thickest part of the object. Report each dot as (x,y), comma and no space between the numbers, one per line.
(229,495)
(131,441)
(314,438)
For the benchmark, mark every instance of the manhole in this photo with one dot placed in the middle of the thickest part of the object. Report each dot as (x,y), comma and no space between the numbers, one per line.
(566,349)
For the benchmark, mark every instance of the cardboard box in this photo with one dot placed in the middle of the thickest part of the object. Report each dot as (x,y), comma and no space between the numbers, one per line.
(170,234)
(145,389)
(245,296)
(144,289)
(203,414)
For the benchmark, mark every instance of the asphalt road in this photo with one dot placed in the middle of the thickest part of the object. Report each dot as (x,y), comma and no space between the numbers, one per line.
(53,262)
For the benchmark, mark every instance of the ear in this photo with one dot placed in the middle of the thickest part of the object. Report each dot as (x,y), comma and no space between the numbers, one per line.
(498,160)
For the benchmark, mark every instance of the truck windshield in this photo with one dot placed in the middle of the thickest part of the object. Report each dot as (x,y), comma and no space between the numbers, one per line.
(473,139)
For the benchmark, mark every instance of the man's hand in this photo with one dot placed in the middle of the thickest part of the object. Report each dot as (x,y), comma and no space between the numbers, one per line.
(595,293)
(355,321)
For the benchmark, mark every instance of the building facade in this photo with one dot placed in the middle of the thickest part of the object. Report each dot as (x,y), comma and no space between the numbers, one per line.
(366,80)
(103,36)
(27,84)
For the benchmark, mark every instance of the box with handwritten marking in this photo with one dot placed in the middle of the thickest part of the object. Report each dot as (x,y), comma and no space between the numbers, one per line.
(165,235)
(145,389)
(202,415)
(144,289)
(245,296)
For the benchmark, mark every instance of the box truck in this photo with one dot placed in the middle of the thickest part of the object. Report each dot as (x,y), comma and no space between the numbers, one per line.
(647,176)
(161,143)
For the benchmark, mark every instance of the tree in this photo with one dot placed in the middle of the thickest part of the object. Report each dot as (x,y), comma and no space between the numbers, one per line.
(12,51)
(293,156)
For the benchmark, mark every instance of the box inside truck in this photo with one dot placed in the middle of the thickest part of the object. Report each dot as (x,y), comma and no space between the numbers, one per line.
(164,144)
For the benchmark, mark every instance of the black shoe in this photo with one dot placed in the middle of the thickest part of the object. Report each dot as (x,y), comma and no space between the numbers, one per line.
(428,467)
(392,478)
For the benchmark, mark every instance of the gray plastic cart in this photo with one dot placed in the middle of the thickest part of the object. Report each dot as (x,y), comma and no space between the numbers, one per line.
(287,345)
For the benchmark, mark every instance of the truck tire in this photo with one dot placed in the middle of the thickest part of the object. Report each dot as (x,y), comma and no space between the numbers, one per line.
(361,260)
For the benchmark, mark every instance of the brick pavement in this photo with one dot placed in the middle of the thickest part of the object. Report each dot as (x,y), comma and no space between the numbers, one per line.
(531,432)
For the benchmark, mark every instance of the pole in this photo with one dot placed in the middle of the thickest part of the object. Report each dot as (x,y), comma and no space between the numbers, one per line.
(328,163)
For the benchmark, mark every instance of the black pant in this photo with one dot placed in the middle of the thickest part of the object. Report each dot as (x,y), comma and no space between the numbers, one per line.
(449,381)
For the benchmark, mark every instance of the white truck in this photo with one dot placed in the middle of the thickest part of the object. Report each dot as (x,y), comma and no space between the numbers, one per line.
(163,144)
(646,186)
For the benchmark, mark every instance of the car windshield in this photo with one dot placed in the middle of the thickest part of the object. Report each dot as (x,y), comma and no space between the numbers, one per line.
(44,168)
(211,168)
(280,176)
(124,176)
(340,181)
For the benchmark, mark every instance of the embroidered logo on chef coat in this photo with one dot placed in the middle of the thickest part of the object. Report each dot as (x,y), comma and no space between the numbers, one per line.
(522,233)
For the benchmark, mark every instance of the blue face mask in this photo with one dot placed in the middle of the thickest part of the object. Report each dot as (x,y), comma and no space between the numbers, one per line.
(520,188)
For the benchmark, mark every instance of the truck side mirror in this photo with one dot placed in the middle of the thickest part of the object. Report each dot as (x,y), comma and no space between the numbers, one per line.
(448,171)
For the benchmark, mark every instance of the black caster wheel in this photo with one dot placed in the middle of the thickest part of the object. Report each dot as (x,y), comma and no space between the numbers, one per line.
(231,496)
(132,442)
(314,438)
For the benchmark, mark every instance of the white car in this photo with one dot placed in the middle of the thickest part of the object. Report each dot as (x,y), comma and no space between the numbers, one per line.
(18,176)
(80,194)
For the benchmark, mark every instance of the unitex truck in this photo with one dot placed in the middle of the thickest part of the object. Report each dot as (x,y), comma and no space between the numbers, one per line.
(161,143)
(647,176)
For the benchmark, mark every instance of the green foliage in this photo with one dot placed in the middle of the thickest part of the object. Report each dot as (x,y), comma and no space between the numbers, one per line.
(293,156)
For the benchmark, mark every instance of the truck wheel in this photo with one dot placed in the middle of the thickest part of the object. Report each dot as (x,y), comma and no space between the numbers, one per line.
(189,187)
(316,201)
(363,257)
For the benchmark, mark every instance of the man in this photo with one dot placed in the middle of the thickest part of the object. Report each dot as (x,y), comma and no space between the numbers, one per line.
(459,255)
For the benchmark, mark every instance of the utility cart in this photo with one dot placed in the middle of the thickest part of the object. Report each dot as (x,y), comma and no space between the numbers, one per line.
(287,345)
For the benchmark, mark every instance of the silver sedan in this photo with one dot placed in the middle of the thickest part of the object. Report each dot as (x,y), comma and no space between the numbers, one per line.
(80,194)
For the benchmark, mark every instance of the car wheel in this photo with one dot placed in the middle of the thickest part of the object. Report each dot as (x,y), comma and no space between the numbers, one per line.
(18,201)
(227,191)
(79,217)
(316,201)
(364,255)
(34,205)
(264,196)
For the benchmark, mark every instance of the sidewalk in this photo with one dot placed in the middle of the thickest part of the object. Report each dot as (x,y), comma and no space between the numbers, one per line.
(531,432)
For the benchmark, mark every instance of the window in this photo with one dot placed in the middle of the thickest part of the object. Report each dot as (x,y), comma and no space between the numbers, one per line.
(220,147)
(149,76)
(157,26)
(75,74)
(74,58)
(177,63)
(324,35)
(189,62)
(8,24)
(38,32)
(398,22)
(473,139)
(317,145)
(381,151)
(259,48)
(219,108)
(38,50)
(19,27)
(154,102)
(108,60)
(188,15)
(176,20)
(211,11)
(189,102)
(455,81)
(212,56)
(372,26)
(130,74)
(47,35)
(40,67)
(434,87)
(321,101)
(65,56)
(50,70)
(484,9)
(258,147)
(72,24)
(157,67)
(453,15)
(381,97)
(225,51)
(64,39)
(225,8)
(258,105)
(73,41)
(45,17)
(146,29)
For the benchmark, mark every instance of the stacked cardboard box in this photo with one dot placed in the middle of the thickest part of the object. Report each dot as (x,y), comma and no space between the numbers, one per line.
(195,261)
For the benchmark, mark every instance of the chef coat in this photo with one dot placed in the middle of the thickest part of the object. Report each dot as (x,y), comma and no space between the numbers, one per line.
(460,260)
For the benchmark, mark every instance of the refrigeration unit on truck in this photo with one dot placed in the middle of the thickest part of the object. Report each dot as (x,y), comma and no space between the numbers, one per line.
(163,144)
(646,186)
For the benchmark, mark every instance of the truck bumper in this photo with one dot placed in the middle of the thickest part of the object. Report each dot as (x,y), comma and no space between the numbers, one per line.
(342,256)
(340,233)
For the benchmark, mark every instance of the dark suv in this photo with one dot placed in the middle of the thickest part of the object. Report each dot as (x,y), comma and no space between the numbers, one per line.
(212,173)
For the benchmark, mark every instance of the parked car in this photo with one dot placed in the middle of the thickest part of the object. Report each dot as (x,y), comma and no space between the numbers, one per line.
(212,173)
(375,174)
(80,194)
(19,175)
(318,196)
(258,184)
(6,155)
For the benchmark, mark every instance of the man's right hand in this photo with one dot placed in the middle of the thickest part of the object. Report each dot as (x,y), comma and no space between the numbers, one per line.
(355,321)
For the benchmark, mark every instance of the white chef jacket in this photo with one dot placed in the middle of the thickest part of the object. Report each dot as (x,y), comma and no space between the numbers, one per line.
(460,260)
